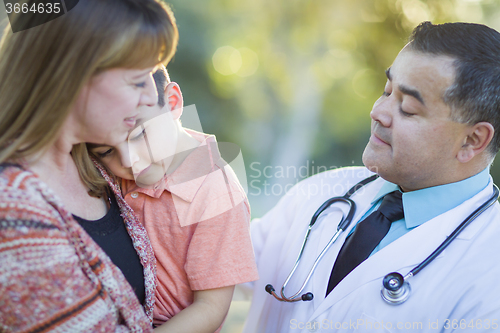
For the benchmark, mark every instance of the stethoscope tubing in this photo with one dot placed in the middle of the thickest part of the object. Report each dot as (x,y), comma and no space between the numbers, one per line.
(455,233)
(311,271)
(340,228)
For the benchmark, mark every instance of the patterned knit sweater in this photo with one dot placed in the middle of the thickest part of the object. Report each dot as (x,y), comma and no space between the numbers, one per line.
(53,277)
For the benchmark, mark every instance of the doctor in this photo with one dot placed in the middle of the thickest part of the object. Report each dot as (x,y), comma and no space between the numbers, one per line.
(435,132)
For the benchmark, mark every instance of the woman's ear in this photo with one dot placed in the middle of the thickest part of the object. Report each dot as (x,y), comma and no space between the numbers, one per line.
(478,138)
(174,100)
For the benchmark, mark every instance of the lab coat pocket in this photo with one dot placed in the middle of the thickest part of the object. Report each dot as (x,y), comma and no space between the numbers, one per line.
(367,324)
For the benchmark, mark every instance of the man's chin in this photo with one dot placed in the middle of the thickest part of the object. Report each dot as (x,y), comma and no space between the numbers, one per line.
(372,160)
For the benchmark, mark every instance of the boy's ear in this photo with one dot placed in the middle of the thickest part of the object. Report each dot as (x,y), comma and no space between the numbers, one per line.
(174,100)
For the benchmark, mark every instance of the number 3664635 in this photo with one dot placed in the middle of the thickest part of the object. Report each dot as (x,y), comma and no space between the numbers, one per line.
(40,7)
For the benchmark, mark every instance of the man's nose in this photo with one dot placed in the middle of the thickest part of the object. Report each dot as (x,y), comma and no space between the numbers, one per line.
(382,111)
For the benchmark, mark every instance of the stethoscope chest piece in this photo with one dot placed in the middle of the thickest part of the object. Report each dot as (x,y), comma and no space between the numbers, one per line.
(395,290)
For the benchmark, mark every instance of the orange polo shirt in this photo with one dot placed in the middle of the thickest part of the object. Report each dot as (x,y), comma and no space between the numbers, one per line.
(198,222)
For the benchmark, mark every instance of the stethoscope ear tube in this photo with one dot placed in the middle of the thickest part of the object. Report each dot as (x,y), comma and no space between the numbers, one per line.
(343,224)
(304,297)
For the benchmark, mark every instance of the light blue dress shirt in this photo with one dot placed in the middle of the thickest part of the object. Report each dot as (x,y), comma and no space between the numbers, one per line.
(423,205)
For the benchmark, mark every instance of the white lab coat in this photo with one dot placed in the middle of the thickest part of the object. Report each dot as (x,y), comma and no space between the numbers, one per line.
(459,290)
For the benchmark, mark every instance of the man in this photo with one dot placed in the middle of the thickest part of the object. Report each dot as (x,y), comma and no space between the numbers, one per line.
(435,132)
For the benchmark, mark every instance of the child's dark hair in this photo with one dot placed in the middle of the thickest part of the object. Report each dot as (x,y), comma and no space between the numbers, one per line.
(161,80)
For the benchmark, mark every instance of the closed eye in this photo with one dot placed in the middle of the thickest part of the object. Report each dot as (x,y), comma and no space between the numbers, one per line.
(405,114)
(104,153)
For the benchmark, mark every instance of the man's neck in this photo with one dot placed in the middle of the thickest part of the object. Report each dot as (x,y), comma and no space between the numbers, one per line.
(459,174)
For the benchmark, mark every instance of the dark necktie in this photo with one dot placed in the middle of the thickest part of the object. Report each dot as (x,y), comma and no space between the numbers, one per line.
(366,237)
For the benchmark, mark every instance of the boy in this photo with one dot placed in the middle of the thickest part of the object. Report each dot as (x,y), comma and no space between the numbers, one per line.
(194,210)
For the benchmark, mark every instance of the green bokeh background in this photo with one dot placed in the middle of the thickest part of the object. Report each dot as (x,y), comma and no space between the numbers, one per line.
(292,82)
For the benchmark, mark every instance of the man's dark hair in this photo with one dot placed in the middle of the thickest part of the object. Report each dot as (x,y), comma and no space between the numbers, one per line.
(161,79)
(475,94)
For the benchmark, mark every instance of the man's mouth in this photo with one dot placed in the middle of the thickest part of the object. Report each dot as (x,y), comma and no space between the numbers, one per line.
(377,140)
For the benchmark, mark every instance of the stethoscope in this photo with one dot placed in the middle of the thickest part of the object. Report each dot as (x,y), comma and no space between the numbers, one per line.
(395,288)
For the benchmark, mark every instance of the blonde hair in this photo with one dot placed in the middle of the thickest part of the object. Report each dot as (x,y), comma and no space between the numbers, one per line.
(89,174)
(43,69)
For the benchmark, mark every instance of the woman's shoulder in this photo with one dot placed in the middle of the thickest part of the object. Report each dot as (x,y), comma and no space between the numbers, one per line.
(24,197)
(14,181)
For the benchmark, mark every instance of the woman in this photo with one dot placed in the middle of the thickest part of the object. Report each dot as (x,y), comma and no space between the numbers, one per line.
(81,77)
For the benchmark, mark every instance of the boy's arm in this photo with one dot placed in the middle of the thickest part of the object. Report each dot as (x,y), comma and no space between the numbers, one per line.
(205,315)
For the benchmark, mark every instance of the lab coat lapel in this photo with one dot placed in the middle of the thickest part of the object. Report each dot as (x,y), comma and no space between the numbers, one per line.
(362,198)
(405,253)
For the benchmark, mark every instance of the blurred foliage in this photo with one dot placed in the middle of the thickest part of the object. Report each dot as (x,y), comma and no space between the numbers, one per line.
(292,82)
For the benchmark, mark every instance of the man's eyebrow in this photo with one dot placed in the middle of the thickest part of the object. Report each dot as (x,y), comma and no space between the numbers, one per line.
(411,92)
(405,90)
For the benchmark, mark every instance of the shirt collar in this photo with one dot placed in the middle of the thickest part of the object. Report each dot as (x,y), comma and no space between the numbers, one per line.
(436,199)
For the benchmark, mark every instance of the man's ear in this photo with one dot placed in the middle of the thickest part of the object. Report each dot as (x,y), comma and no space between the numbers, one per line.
(478,138)
(174,100)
